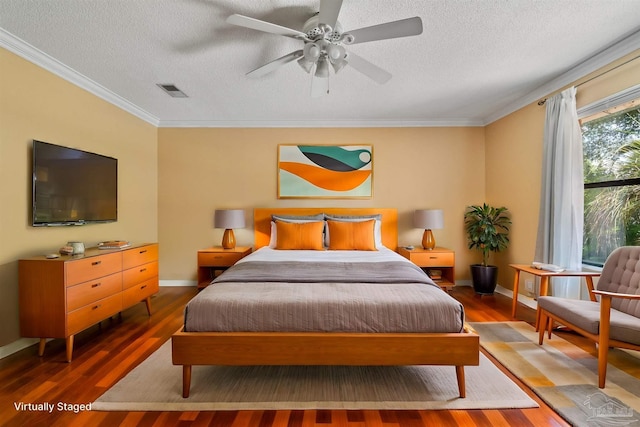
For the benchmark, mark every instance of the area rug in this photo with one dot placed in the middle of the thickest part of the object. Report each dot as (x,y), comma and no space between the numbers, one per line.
(156,385)
(563,375)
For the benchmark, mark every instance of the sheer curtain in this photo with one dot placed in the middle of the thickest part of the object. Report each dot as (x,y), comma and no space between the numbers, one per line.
(560,224)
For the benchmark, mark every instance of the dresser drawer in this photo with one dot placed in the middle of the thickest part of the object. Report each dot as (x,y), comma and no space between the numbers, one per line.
(93,290)
(139,274)
(93,313)
(139,256)
(85,269)
(139,292)
(435,259)
(218,259)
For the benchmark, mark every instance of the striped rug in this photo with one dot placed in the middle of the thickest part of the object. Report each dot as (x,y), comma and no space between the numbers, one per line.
(565,376)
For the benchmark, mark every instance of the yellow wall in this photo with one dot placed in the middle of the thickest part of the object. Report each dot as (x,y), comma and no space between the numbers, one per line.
(172,180)
(35,104)
(514,160)
(201,170)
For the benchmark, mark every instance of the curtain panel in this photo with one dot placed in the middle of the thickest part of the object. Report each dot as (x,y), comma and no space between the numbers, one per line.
(561,218)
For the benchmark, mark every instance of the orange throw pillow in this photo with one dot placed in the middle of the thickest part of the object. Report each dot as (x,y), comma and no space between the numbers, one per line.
(299,235)
(352,236)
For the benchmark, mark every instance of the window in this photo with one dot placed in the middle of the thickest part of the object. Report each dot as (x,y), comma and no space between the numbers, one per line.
(611,147)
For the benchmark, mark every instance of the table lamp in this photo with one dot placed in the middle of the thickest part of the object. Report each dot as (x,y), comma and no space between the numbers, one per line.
(428,219)
(228,219)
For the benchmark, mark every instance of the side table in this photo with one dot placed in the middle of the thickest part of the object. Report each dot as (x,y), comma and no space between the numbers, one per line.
(544,276)
(212,260)
(435,260)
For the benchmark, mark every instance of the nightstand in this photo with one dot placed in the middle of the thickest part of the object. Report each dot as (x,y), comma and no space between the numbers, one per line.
(440,260)
(216,259)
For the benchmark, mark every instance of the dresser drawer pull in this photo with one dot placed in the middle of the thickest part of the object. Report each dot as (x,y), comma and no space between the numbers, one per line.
(142,252)
(142,287)
(95,285)
(433,257)
(96,263)
(95,307)
(142,270)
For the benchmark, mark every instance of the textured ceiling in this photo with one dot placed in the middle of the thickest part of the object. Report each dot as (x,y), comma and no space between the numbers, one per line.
(476,60)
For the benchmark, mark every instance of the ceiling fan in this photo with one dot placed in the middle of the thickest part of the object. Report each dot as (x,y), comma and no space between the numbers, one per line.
(324,44)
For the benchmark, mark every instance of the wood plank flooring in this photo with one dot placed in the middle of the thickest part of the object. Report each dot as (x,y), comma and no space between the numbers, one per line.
(105,353)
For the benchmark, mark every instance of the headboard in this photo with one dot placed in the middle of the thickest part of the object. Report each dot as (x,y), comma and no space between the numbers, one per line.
(262,221)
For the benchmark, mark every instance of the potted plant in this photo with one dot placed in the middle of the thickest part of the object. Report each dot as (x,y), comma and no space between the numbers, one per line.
(487,229)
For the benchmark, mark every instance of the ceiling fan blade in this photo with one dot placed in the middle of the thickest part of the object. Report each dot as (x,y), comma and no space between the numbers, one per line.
(275,64)
(329,10)
(267,27)
(370,70)
(390,30)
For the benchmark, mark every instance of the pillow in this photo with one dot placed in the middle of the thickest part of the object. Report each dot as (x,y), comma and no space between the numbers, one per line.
(377,232)
(290,218)
(352,235)
(299,235)
(297,218)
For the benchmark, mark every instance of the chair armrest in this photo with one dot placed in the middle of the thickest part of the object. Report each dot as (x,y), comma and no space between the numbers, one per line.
(616,295)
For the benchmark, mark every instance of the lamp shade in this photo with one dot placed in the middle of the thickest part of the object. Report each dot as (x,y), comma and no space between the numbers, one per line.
(428,219)
(228,218)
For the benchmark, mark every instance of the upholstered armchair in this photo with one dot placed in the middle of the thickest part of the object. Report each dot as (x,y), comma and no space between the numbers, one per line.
(611,318)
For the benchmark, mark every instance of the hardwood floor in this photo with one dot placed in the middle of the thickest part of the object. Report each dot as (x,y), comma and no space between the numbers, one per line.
(105,353)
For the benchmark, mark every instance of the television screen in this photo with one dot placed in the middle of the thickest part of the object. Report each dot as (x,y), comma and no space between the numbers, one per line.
(73,187)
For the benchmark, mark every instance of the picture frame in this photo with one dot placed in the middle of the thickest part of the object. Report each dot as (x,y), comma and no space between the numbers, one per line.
(325,171)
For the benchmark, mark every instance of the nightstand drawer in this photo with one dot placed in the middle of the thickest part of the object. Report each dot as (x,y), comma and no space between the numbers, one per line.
(218,259)
(436,259)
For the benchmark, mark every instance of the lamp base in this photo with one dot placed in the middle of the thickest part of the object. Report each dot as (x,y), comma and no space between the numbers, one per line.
(228,239)
(428,241)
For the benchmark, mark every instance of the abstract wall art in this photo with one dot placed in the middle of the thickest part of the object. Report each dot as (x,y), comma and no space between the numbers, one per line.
(325,171)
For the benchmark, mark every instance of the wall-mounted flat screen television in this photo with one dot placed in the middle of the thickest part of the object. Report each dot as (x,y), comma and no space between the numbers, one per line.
(72,187)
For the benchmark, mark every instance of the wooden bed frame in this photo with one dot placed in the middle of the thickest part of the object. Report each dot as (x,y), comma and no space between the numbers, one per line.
(324,348)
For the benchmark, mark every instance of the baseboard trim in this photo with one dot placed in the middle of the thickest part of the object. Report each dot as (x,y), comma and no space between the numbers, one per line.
(178,283)
(522,299)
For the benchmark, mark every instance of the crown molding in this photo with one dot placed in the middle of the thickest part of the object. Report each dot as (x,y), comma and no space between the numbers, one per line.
(616,51)
(41,59)
(319,123)
(34,55)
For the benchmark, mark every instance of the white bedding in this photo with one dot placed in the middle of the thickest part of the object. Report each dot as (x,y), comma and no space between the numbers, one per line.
(269,254)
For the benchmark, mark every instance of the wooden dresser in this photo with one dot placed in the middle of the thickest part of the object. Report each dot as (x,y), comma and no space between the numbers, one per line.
(63,296)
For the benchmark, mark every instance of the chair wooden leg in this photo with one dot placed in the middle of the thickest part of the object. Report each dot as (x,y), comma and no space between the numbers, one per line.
(544,319)
(603,339)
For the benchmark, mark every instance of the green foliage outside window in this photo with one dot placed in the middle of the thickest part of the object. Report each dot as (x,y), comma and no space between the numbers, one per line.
(611,147)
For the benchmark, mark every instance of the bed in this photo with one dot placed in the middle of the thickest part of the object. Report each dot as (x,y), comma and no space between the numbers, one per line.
(368,306)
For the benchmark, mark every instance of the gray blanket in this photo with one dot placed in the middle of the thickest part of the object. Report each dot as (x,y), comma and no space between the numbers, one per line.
(325,272)
(324,296)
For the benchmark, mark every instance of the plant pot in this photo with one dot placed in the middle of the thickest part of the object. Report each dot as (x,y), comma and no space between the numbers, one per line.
(484,278)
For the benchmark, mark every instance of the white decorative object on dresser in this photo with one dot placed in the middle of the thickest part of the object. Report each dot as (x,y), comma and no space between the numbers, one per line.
(62,296)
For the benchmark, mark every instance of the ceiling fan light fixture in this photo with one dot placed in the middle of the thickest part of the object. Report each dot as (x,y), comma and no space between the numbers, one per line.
(335,52)
(338,65)
(322,68)
(305,64)
(311,52)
